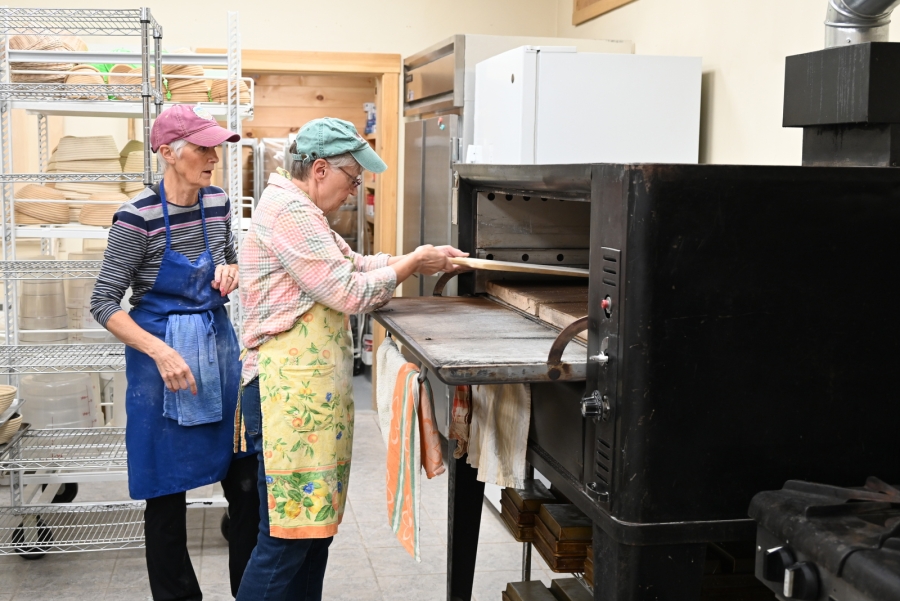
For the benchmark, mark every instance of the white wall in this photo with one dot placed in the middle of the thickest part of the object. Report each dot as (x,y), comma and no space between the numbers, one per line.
(743,44)
(395,26)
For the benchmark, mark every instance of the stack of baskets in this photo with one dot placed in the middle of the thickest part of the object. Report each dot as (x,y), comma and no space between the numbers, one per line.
(88,154)
(35,213)
(85,75)
(185,90)
(132,159)
(43,42)
(219,91)
(101,215)
(7,396)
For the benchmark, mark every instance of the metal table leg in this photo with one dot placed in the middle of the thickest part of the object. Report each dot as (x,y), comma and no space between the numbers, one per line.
(526,562)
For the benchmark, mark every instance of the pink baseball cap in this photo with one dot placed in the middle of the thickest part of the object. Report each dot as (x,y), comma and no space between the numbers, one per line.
(192,123)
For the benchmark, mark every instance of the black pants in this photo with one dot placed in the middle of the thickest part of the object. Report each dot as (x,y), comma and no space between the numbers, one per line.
(172,576)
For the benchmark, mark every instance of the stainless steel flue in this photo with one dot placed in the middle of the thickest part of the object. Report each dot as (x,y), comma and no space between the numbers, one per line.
(857,21)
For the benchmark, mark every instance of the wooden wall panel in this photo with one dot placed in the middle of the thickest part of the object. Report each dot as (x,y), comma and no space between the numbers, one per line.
(585,10)
(284,103)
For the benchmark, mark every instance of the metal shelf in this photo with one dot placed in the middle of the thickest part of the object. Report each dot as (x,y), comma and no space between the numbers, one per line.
(67,528)
(127,58)
(55,358)
(99,92)
(125,109)
(42,270)
(14,178)
(75,21)
(62,230)
(67,449)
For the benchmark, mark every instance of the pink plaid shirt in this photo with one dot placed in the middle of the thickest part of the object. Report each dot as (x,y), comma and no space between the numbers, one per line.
(291,259)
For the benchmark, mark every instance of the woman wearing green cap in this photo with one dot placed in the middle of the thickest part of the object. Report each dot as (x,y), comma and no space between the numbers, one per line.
(299,282)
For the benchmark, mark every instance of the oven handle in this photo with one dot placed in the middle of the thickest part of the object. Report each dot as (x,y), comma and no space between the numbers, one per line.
(444,280)
(554,360)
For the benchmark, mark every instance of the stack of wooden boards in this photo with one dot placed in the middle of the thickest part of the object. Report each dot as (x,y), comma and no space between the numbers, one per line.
(556,303)
(567,589)
(562,535)
(519,508)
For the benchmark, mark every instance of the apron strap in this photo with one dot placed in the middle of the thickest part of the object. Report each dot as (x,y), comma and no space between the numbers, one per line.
(165,208)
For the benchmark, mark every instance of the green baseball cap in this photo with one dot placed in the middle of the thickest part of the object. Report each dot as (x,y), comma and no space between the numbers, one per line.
(328,137)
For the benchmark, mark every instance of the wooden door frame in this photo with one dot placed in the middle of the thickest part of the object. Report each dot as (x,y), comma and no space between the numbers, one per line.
(386,69)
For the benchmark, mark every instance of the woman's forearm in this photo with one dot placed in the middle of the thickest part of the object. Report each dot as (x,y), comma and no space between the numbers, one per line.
(404,265)
(126,330)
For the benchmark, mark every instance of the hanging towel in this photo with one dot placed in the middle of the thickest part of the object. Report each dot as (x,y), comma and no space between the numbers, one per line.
(413,443)
(388,362)
(498,437)
(461,420)
(194,337)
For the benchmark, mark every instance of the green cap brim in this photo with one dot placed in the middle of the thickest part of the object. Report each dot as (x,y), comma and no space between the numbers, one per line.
(369,159)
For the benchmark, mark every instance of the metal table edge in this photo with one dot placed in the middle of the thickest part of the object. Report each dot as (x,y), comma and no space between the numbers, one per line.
(579,371)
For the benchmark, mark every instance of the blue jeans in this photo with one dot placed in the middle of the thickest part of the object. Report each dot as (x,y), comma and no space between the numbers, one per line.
(280,569)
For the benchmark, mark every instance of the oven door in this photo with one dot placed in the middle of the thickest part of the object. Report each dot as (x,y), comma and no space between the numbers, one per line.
(476,340)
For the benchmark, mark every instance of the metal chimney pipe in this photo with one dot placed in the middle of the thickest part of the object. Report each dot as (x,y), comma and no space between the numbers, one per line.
(857,21)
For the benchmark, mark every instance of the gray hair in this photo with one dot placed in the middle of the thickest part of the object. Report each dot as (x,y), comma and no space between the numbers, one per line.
(300,170)
(177,146)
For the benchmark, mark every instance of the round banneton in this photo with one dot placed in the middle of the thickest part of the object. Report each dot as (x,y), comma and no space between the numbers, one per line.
(79,148)
(10,428)
(39,192)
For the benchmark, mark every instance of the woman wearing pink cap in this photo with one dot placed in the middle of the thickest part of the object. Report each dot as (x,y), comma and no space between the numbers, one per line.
(173,246)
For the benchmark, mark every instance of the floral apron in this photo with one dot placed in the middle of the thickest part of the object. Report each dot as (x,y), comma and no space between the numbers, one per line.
(306,397)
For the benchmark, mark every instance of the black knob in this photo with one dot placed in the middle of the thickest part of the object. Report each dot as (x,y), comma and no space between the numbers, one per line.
(775,562)
(801,581)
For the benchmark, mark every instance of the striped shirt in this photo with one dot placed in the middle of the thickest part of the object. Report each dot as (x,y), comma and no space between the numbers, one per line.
(291,259)
(137,241)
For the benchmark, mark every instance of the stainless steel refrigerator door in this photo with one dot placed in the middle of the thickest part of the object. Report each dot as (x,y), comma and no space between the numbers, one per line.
(440,139)
(413,166)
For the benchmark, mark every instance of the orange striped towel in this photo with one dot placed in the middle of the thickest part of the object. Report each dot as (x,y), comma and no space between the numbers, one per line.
(413,443)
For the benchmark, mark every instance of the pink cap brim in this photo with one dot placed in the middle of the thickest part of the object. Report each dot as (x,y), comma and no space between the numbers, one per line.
(212,136)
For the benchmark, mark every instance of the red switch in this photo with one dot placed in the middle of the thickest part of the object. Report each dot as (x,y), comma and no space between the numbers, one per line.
(605,304)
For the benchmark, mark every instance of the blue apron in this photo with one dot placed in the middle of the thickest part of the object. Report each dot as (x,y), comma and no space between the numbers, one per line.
(163,457)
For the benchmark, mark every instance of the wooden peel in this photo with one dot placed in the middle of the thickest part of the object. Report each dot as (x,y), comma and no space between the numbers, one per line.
(519,267)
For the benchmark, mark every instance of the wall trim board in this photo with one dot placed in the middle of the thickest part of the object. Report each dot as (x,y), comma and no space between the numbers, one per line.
(302,61)
(585,10)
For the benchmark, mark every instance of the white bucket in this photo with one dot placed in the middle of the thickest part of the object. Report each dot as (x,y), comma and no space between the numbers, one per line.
(63,400)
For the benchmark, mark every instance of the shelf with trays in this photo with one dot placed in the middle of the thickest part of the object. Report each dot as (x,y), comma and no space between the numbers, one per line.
(67,528)
(66,91)
(55,358)
(128,58)
(66,450)
(44,270)
(56,457)
(13,178)
(77,21)
(123,109)
(52,231)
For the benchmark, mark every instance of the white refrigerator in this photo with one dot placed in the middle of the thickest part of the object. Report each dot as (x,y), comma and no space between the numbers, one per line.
(553,105)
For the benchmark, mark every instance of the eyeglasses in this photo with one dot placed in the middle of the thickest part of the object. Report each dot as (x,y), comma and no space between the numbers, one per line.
(355,182)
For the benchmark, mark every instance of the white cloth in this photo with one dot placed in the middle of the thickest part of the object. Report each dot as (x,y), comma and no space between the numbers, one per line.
(498,436)
(388,362)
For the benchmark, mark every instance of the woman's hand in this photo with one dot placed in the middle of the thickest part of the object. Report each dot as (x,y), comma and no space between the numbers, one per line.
(226,279)
(434,259)
(173,369)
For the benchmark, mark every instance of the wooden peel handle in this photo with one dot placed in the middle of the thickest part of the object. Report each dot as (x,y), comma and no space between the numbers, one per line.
(519,267)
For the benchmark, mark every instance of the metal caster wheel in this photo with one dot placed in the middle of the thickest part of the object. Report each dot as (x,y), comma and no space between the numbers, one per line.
(43,536)
(225,526)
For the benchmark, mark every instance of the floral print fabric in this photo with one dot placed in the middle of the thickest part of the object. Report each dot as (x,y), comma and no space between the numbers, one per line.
(307,424)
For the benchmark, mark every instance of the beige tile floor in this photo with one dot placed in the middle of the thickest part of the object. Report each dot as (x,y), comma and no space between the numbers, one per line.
(366,563)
